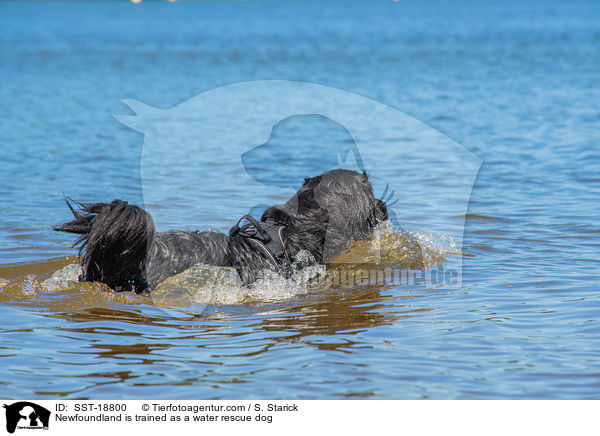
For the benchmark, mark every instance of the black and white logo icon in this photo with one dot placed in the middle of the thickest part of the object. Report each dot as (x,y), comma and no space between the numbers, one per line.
(26,415)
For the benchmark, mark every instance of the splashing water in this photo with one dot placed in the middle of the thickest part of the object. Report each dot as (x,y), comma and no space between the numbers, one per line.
(387,247)
(393,247)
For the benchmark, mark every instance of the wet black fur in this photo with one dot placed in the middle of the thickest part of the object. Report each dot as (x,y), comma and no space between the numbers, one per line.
(119,246)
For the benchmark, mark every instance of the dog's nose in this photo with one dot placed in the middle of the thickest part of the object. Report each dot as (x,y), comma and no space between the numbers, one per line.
(135,284)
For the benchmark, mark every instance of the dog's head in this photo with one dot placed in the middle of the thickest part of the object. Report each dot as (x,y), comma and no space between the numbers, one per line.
(328,211)
(113,244)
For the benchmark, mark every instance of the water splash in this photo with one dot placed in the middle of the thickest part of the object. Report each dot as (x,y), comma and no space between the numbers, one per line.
(388,247)
(394,247)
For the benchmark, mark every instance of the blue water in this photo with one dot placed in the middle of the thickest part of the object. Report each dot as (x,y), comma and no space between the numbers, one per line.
(515,83)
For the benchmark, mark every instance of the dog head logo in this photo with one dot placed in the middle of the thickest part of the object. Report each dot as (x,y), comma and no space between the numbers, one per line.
(256,134)
(26,415)
(309,145)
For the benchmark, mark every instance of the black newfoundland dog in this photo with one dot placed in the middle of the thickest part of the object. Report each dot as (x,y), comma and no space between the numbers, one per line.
(119,245)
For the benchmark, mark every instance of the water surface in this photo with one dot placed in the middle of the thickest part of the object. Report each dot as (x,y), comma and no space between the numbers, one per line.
(516,83)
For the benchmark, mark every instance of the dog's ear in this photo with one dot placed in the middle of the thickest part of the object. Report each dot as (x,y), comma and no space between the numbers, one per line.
(306,195)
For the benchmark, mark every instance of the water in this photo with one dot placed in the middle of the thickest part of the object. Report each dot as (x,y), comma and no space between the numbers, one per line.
(516,83)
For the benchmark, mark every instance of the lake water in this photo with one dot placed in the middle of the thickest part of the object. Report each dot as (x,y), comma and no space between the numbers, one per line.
(515,83)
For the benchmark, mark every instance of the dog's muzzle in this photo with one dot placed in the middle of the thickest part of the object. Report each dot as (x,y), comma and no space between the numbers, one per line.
(135,283)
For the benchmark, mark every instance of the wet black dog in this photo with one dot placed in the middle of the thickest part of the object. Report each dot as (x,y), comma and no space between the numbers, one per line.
(119,245)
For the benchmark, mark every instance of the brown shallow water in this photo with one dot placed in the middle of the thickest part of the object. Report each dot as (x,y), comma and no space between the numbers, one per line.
(153,343)
(152,348)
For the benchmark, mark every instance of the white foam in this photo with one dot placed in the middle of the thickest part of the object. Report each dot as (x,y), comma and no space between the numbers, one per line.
(63,278)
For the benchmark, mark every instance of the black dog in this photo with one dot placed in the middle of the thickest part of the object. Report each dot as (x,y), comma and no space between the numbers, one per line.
(119,245)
